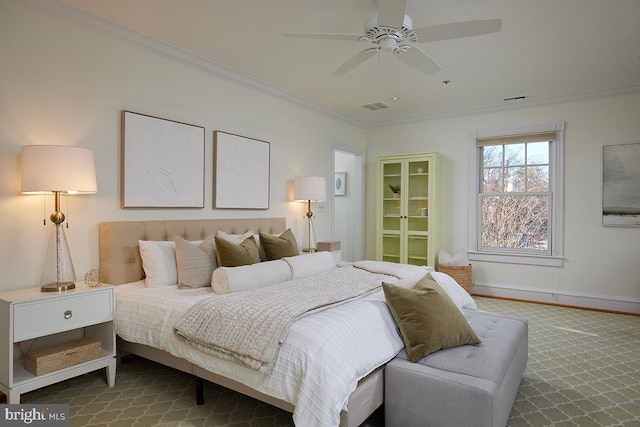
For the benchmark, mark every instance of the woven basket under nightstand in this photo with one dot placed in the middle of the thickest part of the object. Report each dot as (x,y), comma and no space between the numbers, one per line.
(461,274)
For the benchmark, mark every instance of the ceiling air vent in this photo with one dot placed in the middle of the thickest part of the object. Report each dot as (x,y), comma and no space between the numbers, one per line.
(376,106)
(515,98)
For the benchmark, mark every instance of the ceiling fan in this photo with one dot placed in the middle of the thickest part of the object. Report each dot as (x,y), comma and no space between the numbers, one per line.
(391,30)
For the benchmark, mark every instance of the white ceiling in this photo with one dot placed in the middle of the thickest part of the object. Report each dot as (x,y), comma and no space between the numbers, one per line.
(548,50)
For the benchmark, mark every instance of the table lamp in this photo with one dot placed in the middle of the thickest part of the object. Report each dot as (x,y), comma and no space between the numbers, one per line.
(309,189)
(59,170)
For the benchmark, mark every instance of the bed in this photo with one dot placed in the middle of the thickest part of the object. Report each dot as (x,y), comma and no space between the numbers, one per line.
(292,382)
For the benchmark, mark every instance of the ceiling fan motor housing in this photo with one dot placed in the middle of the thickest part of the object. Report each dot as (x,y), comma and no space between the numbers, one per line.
(388,37)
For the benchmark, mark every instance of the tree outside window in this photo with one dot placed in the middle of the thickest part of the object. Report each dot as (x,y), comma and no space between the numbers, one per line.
(515,197)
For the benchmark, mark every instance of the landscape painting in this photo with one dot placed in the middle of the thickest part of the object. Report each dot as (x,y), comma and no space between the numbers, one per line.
(621,185)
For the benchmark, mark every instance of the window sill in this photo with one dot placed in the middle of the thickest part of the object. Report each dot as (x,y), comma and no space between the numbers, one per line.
(542,260)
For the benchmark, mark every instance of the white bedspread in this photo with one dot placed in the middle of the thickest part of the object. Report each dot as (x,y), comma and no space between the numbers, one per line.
(319,363)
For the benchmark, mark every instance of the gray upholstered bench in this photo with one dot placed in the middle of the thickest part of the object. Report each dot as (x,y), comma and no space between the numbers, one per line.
(461,386)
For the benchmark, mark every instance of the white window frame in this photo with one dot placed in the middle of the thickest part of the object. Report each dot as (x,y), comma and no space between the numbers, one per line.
(556,184)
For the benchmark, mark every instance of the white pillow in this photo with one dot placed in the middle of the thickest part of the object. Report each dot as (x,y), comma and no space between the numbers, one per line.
(159,262)
(252,276)
(309,264)
(460,259)
(456,292)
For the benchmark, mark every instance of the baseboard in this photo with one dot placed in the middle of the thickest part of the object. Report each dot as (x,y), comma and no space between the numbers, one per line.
(570,299)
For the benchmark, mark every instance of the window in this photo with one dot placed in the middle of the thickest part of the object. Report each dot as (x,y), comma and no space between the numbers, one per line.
(516,198)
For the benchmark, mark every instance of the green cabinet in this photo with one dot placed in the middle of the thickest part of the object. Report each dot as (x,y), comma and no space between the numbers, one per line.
(409,205)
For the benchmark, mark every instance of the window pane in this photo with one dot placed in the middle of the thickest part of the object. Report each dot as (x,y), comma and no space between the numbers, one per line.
(514,154)
(492,181)
(538,178)
(515,180)
(492,156)
(538,153)
(515,222)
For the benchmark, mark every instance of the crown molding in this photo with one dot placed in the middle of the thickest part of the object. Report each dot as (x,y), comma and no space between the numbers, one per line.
(626,90)
(94,23)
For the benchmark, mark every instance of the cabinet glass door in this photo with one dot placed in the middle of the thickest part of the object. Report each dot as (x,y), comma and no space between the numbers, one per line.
(418,196)
(391,210)
(417,212)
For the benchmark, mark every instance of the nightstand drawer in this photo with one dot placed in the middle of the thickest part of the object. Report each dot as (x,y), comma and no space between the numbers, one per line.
(48,316)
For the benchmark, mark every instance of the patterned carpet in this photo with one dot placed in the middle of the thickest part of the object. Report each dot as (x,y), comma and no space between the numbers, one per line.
(583,370)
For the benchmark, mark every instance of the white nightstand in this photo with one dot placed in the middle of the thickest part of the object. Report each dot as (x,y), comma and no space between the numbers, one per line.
(31,319)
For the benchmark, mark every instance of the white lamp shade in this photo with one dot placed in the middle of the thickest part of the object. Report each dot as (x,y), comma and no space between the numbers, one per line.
(47,168)
(312,188)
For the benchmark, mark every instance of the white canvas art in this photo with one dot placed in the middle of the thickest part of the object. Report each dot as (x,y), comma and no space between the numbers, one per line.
(241,172)
(162,162)
(621,185)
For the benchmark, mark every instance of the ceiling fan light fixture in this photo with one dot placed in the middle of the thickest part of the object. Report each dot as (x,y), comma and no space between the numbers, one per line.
(375,33)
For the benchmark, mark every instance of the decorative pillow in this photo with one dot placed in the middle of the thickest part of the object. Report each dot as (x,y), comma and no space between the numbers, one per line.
(254,276)
(309,264)
(276,247)
(458,295)
(459,259)
(232,255)
(427,318)
(195,263)
(158,262)
(234,238)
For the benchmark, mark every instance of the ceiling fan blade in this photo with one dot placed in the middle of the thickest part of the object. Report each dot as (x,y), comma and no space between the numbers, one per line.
(355,61)
(457,30)
(417,59)
(330,36)
(391,13)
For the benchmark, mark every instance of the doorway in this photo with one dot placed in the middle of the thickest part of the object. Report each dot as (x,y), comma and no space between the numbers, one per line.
(348,202)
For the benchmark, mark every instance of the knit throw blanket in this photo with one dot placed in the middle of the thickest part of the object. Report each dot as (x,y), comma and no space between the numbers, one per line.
(250,325)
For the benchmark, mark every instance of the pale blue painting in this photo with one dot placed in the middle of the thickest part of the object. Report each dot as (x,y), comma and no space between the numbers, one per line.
(621,184)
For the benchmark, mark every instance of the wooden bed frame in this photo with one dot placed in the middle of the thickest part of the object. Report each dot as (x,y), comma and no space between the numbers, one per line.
(120,263)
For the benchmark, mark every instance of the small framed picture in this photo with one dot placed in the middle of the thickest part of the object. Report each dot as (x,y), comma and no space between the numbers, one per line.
(340,184)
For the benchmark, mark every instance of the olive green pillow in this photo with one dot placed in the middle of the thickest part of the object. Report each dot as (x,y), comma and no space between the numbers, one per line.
(427,318)
(276,247)
(230,254)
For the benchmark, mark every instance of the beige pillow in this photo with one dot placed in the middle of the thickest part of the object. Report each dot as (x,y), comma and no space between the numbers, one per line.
(427,318)
(195,263)
(276,247)
(229,254)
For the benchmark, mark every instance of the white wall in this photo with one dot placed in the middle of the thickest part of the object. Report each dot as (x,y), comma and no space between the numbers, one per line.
(64,83)
(600,261)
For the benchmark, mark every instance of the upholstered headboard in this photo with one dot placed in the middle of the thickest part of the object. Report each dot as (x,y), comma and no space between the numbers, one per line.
(120,255)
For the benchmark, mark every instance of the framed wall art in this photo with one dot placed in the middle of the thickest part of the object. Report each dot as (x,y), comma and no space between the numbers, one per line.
(621,185)
(162,163)
(340,184)
(241,172)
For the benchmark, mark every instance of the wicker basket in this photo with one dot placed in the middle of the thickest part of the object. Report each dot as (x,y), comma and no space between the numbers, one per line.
(461,274)
(60,356)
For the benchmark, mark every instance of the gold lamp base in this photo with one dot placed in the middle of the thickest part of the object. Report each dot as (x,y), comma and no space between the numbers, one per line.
(57,287)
